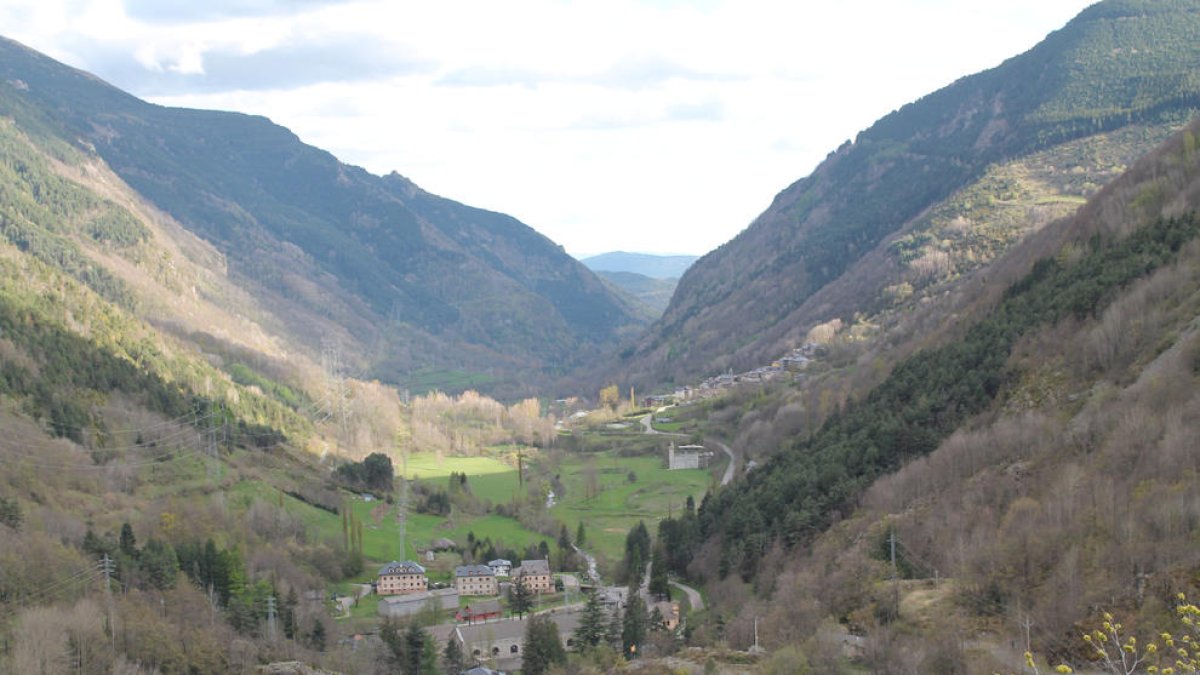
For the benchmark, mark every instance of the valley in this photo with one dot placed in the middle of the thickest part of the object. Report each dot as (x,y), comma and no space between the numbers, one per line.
(934,411)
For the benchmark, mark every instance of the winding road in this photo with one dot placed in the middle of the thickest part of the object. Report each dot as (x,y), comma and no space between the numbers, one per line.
(732,462)
(648,427)
(695,601)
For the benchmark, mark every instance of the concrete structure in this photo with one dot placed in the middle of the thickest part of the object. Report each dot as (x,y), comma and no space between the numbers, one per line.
(500,567)
(501,644)
(688,457)
(401,578)
(535,576)
(399,606)
(475,580)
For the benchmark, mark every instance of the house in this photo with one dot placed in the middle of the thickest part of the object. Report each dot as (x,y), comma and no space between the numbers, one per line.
(500,567)
(535,576)
(669,611)
(401,578)
(687,457)
(399,606)
(475,580)
(481,610)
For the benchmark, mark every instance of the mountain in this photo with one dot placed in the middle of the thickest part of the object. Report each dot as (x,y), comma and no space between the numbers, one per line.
(1018,447)
(645,264)
(828,247)
(652,293)
(415,289)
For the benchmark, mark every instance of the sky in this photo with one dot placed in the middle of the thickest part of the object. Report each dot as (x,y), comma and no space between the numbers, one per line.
(661,126)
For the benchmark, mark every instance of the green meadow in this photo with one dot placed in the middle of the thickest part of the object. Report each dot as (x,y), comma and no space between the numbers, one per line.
(607,492)
(601,494)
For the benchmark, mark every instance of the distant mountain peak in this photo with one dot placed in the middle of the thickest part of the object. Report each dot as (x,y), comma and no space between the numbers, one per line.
(653,265)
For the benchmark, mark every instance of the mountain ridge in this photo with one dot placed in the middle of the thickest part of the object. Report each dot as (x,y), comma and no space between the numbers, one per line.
(399,268)
(815,229)
(653,265)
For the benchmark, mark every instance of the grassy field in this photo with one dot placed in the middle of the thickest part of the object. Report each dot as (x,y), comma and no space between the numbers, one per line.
(609,493)
(598,492)
(488,477)
(601,495)
(381,540)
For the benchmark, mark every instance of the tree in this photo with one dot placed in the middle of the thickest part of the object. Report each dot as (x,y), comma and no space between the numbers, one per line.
(520,599)
(615,625)
(543,648)
(580,535)
(316,639)
(633,628)
(1121,654)
(288,613)
(610,396)
(378,471)
(414,650)
(10,513)
(453,660)
(128,542)
(564,547)
(659,584)
(637,552)
(592,623)
(159,563)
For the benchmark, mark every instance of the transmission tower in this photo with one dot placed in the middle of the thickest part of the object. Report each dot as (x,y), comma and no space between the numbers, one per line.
(336,390)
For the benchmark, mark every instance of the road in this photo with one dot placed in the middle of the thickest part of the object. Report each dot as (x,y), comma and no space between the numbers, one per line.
(725,480)
(694,600)
(648,427)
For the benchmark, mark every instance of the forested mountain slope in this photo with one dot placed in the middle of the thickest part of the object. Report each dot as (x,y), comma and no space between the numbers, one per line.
(420,290)
(1032,456)
(1119,63)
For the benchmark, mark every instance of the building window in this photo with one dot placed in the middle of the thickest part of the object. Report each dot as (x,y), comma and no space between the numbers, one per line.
(495,651)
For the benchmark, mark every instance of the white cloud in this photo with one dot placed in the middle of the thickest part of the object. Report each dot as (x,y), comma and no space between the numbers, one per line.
(605,124)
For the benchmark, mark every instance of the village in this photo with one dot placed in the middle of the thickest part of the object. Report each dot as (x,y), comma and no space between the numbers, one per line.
(485,608)
(791,365)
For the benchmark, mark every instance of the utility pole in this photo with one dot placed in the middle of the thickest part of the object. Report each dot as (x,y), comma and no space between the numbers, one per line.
(112,628)
(271,618)
(212,441)
(895,576)
(402,513)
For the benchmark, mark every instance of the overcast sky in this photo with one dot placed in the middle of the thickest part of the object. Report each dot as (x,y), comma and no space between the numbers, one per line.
(654,125)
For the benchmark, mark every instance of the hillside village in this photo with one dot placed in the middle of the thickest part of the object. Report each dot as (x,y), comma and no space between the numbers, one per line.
(789,367)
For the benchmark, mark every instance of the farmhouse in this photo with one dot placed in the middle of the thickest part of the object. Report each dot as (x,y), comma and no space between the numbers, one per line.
(401,578)
(688,457)
(475,580)
(534,575)
(500,567)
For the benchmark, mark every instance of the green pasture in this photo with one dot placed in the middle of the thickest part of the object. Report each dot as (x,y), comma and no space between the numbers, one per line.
(616,505)
(488,477)
(381,539)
